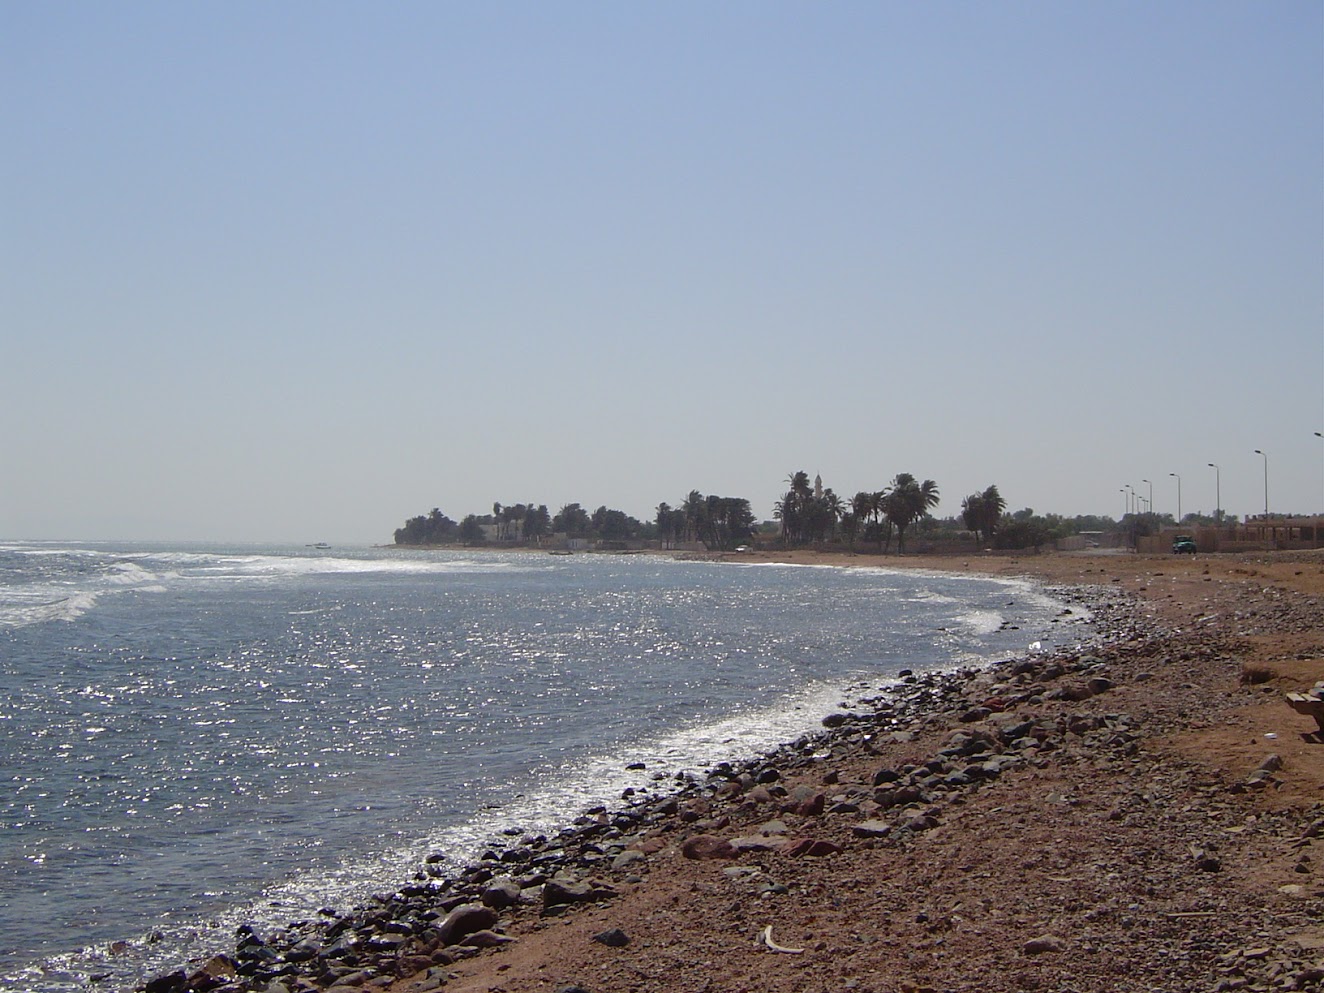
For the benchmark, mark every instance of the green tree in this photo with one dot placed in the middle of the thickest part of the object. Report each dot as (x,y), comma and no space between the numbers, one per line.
(663,521)
(906,502)
(797,510)
(434,529)
(537,524)
(471,531)
(694,509)
(727,522)
(982,511)
(573,520)
(613,525)
(850,527)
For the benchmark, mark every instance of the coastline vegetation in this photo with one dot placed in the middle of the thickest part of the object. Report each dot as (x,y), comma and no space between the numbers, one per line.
(806,515)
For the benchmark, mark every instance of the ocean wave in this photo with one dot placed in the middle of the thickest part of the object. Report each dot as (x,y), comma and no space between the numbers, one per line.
(20,609)
(264,566)
(982,621)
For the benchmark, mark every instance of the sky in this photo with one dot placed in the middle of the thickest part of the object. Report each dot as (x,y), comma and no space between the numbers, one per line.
(300,271)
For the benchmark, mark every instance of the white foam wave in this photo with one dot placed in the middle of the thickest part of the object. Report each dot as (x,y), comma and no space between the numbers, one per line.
(982,621)
(130,574)
(39,606)
(273,566)
(599,779)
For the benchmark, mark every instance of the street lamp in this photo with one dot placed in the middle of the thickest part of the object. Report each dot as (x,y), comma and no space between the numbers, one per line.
(1149,504)
(1266,481)
(1126,503)
(1319,434)
(1218,496)
(1178,478)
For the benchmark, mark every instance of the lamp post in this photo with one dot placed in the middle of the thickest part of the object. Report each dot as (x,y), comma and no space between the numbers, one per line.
(1178,478)
(1318,542)
(1319,434)
(1149,502)
(1218,496)
(1126,503)
(1266,480)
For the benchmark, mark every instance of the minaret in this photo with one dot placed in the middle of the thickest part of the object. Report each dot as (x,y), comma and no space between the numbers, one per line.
(818,487)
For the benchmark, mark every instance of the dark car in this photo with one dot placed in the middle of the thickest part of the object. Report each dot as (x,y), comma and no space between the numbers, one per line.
(1183,544)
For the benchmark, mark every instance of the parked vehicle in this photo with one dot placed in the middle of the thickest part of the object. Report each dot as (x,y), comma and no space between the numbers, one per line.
(1183,544)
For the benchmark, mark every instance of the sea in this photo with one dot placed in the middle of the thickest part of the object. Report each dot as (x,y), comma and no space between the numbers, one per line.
(196,737)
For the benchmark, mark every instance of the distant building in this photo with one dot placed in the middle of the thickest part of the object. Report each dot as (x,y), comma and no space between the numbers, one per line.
(1255,534)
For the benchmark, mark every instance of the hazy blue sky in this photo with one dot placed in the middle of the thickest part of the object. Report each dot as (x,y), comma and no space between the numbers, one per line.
(302,270)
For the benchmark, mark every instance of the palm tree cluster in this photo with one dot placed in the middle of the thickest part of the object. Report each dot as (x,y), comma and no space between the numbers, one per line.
(721,523)
(981,512)
(810,514)
(433,529)
(521,520)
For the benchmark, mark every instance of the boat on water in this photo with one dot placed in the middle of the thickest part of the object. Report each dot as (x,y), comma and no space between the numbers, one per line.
(319,544)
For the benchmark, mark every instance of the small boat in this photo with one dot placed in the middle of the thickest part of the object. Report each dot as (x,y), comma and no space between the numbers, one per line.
(560,551)
(320,544)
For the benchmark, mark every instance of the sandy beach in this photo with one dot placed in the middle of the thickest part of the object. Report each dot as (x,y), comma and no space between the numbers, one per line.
(1144,814)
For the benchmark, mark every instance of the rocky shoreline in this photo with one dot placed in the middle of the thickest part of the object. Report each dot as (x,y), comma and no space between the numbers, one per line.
(1021,826)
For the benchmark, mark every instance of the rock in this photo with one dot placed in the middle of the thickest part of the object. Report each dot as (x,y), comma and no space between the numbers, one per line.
(811,847)
(1043,944)
(302,952)
(352,981)
(484,939)
(921,822)
(170,983)
(558,892)
(501,892)
(1272,763)
(707,846)
(755,843)
(216,971)
(1259,779)
(627,859)
(1073,691)
(806,801)
(613,938)
(465,919)
(389,941)
(871,829)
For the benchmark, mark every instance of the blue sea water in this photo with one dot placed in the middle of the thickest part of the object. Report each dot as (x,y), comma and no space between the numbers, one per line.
(197,737)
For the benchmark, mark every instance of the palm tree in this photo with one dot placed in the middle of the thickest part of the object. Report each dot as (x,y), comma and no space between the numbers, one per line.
(695,507)
(862,505)
(982,511)
(664,524)
(788,513)
(850,527)
(908,501)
